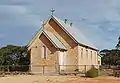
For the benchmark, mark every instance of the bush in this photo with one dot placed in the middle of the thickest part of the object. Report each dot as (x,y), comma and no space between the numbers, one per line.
(93,72)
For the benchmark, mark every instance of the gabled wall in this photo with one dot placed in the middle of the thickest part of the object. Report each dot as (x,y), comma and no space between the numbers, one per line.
(36,57)
(53,27)
(71,46)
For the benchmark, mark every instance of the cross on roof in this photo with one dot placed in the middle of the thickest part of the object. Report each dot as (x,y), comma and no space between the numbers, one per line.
(52,11)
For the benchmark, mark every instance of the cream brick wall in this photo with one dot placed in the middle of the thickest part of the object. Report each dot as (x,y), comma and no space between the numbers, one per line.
(71,46)
(73,53)
(87,59)
(36,58)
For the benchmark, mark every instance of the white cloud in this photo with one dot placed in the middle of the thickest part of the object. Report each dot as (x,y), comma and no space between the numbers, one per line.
(102,22)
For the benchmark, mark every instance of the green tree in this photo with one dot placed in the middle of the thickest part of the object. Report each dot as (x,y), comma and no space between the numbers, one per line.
(11,56)
(118,44)
(111,57)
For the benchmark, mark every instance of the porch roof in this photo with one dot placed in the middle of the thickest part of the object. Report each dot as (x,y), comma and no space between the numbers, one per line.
(54,40)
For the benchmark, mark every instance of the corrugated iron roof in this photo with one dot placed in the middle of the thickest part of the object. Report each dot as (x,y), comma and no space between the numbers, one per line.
(72,31)
(75,33)
(55,40)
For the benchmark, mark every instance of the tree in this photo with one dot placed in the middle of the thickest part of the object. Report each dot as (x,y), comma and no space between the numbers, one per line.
(12,56)
(118,44)
(111,57)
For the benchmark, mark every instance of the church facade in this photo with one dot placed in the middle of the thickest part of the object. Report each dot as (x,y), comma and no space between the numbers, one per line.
(59,46)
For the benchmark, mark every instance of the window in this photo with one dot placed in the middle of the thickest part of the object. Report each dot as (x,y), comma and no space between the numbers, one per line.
(87,53)
(44,52)
(95,57)
(98,62)
(81,53)
(91,56)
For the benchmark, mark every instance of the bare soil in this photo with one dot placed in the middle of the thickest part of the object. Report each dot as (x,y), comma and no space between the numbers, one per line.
(57,79)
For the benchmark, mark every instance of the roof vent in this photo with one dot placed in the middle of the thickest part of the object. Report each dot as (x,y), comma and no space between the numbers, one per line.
(71,24)
(66,21)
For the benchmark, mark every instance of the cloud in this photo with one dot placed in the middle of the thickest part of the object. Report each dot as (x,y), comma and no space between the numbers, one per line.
(15,2)
(99,20)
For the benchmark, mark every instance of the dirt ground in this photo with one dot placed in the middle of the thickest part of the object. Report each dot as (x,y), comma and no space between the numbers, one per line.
(57,79)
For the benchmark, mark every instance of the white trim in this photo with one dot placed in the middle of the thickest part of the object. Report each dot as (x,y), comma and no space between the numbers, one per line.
(62,59)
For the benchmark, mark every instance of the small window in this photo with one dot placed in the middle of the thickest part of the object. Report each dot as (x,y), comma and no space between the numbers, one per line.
(81,53)
(91,55)
(95,53)
(95,57)
(87,53)
(44,52)
(98,62)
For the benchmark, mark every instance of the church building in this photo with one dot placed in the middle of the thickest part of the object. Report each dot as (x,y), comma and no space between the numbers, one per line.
(59,46)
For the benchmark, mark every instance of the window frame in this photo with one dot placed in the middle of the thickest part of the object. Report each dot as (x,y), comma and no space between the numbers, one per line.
(44,52)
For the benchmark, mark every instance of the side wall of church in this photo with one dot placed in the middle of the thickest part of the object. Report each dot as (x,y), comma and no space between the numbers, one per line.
(86,58)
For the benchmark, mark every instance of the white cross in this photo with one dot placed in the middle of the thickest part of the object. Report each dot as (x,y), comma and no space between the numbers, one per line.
(52,11)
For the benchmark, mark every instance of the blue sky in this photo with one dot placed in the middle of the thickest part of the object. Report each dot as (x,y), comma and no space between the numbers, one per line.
(99,20)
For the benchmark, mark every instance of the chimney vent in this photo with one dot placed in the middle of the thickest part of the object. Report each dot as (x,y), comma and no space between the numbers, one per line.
(71,24)
(66,21)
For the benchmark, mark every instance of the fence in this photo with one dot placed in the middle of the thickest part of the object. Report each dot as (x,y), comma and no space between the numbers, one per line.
(109,70)
(46,69)
(55,70)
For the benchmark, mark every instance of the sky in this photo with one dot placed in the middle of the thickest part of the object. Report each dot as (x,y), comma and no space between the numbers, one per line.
(99,20)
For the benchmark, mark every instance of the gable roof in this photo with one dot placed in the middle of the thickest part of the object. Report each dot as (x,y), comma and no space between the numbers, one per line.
(53,39)
(74,33)
(35,36)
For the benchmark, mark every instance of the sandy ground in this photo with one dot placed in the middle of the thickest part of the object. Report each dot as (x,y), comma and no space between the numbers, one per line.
(57,79)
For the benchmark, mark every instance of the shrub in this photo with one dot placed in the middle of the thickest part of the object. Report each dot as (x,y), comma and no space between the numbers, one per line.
(93,72)
(76,70)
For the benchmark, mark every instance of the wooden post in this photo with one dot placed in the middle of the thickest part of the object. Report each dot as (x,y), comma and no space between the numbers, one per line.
(43,70)
(85,70)
(59,69)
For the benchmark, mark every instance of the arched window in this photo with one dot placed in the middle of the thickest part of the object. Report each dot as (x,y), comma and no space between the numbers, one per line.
(87,53)
(82,53)
(44,52)
(95,57)
(91,57)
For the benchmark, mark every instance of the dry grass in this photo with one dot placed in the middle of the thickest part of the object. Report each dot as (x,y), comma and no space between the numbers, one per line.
(56,79)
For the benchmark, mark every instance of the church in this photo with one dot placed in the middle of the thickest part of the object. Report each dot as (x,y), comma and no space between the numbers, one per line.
(60,46)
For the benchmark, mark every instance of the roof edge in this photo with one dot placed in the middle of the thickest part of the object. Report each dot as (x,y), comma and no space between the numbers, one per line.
(54,18)
(52,41)
(35,36)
